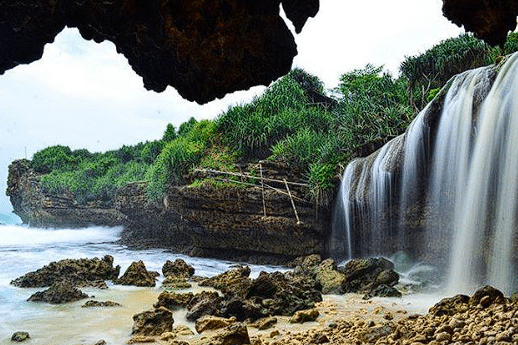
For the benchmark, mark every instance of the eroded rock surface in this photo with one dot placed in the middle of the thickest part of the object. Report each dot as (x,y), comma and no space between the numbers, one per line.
(489,20)
(41,208)
(204,49)
(137,275)
(79,272)
(60,292)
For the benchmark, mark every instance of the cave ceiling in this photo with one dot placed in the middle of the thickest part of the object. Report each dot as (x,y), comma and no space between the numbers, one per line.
(203,48)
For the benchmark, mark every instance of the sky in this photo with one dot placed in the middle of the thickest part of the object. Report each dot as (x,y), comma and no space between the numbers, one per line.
(85,95)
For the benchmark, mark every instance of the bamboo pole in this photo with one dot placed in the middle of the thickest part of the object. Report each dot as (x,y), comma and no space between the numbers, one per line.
(262,189)
(292,202)
(252,177)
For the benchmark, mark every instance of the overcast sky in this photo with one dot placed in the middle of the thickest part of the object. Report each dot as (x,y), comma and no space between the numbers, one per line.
(84,95)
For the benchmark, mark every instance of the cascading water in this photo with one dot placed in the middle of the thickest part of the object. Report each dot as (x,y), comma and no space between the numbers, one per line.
(447,190)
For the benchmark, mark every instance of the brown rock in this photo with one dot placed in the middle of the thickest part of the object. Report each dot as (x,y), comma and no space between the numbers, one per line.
(179,268)
(92,303)
(20,337)
(137,275)
(209,322)
(264,323)
(78,272)
(302,316)
(152,322)
(59,292)
(173,300)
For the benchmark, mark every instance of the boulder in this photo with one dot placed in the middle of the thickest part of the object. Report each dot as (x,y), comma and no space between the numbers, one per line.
(79,272)
(264,323)
(235,281)
(137,275)
(179,268)
(364,275)
(329,277)
(176,283)
(210,322)
(203,303)
(59,292)
(383,291)
(173,300)
(487,295)
(302,316)
(450,306)
(20,336)
(235,334)
(152,322)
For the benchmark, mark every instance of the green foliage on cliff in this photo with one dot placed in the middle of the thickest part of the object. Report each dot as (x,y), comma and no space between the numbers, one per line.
(293,121)
(437,65)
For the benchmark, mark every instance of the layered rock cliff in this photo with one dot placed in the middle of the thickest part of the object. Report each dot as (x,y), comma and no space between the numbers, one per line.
(41,208)
(228,222)
(210,219)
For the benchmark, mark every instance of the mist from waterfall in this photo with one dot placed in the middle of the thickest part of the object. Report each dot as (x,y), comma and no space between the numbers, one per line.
(447,190)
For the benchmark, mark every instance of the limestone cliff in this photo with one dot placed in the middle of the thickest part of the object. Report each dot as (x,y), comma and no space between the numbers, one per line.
(206,220)
(227,222)
(41,208)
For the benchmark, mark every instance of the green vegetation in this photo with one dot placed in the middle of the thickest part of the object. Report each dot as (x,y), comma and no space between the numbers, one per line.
(432,69)
(293,121)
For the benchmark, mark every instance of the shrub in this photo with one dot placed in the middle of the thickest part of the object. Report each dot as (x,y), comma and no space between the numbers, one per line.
(175,160)
(56,157)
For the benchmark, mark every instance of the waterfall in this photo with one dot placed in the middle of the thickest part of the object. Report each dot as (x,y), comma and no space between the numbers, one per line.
(446,191)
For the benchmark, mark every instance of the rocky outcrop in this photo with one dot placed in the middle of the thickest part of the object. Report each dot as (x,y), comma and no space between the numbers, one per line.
(489,20)
(228,222)
(78,272)
(204,49)
(153,322)
(206,220)
(41,208)
(60,292)
(137,275)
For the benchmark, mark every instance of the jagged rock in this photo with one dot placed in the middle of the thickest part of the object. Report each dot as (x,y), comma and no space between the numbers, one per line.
(153,322)
(43,208)
(79,272)
(489,20)
(329,277)
(235,281)
(59,292)
(302,316)
(210,322)
(172,282)
(173,300)
(179,268)
(20,336)
(137,275)
(203,303)
(284,293)
(383,291)
(361,275)
(236,334)
(191,46)
(92,303)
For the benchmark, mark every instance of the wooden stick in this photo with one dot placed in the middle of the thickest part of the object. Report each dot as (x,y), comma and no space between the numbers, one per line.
(262,189)
(292,202)
(252,177)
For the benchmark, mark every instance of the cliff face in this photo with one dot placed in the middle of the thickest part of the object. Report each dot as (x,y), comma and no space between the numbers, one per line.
(204,49)
(227,222)
(40,208)
(207,220)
